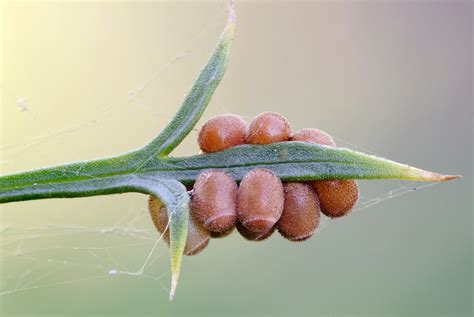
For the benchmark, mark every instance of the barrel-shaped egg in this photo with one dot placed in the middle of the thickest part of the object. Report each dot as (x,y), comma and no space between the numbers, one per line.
(337,198)
(214,200)
(260,200)
(301,212)
(222,132)
(268,127)
(313,136)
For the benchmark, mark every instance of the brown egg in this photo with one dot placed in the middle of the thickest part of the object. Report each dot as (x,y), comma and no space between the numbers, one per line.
(268,127)
(260,200)
(254,236)
(301,212)
(313,136)
(159,216)
(336,197)
(214,200)
(222,132)
(198,236)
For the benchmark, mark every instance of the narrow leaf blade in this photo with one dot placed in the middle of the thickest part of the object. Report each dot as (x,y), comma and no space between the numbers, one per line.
(197,98)
(176,199)
(291,161)
(296,161)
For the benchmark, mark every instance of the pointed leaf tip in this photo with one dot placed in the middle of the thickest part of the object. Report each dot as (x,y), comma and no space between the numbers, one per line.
(230,26)
(175,197)
(232,15)
(178,233)
(445,178)
(427,176)
(174,283)
(452,177)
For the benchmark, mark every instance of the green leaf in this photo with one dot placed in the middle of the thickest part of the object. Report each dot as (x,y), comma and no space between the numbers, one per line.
(291,161)
(176,199)
(197,98)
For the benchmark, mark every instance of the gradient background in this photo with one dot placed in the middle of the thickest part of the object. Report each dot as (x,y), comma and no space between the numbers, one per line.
(394,77)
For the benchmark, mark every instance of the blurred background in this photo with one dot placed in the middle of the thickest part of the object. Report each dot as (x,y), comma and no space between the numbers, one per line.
(81,80)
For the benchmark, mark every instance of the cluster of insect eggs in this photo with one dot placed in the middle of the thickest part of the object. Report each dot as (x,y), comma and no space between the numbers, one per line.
(261,203)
